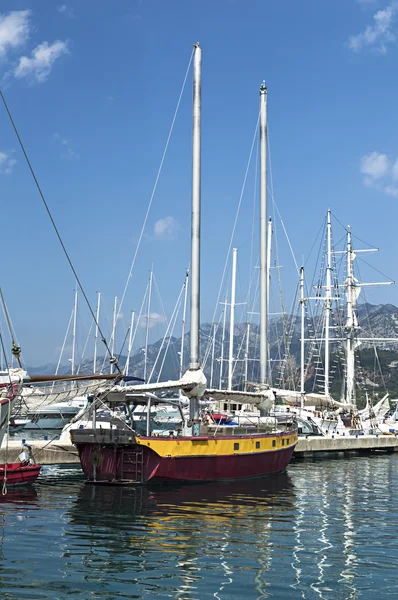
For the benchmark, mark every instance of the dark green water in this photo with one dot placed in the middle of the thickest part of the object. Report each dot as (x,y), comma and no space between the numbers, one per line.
(326,529)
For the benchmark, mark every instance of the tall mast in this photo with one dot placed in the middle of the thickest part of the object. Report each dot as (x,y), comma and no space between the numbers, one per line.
(224,319)
(113,331)
(184,319)
(302,342)
(247,353)
(148,317)
(127,365)
(213,348)
(232,320)
(96,332)
(328,301)
(195,225)
(74,333)
(263,239)
(269,244)
(350,324)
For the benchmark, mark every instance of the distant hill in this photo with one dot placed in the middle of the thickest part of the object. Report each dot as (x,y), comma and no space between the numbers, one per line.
(376,321)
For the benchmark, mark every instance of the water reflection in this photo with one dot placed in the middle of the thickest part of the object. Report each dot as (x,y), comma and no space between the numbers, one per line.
(323,531)
(183,525)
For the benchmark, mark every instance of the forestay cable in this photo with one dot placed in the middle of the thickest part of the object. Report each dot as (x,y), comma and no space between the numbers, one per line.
(155,186)
(56,228)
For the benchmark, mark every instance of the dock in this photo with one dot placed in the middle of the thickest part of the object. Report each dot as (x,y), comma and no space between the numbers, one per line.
(62,453)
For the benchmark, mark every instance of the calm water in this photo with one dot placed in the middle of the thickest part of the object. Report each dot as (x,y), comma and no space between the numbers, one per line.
(326,529)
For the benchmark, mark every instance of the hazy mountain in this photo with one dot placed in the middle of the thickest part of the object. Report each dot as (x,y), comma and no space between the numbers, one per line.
(375,320)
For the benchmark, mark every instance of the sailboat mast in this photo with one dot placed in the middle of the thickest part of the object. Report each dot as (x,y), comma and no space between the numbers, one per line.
(148,316)
(350,324)
(127,366)
(113,331)
(213,348)
(328,301)
(184,319)
(224,320)
(302,333)
(263,239)
(247,353)
(195,225)
(232,320)
(96,332)
(74,333)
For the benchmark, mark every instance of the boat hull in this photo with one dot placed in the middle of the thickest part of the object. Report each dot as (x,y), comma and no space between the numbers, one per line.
(18,474)
(140,463)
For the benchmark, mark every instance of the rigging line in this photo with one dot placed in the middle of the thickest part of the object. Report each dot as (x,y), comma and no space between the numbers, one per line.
(173,322)
(84,349)
(236,219)
(155,184)
(254,207)
(54,224)
(372,267)
(275,205)
(167,334)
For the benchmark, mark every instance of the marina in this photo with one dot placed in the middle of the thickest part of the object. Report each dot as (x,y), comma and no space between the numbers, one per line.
(198,334)
(57,453)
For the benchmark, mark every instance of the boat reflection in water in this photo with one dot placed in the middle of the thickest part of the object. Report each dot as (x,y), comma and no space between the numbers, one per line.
(166,532)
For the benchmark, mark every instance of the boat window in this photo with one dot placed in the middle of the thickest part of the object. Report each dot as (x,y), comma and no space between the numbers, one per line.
(283,442)
(273,443)
(287,441)
(257,444)
(236,446)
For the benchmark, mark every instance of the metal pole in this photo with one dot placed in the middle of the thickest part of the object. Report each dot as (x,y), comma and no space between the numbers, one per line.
(222,343)
(213,348)
(184,318)
(148,316)
(350,325)
(269,249)
(232,320)
(74,333)
(96,332)
(263,239)
(127,366)
(113,331)
(195,225)
(328,301)
(302,306)
(247,354)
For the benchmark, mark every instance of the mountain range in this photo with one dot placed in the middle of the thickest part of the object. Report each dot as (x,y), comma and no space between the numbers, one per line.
(378,321)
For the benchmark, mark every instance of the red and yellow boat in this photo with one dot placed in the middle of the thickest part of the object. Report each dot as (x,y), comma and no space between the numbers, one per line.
(225,453)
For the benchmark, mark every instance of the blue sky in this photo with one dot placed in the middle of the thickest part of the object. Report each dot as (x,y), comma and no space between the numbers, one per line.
(93,87)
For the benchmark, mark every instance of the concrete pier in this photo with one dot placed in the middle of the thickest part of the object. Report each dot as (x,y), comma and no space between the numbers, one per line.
(314,445)
(44,452)
(55,452)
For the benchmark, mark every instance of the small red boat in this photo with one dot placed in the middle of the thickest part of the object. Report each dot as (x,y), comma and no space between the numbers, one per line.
(18,473)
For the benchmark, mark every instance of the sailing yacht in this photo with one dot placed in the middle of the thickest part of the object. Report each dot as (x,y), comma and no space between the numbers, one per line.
(197,450)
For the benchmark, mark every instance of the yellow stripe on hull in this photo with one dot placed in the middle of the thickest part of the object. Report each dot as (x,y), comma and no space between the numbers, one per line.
(217,446)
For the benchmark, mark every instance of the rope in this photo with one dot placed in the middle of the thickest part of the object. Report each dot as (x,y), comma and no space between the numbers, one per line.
(155,186)
(235,223)
(55,226)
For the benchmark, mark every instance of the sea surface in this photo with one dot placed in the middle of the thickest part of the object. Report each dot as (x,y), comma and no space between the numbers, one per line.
(325,529)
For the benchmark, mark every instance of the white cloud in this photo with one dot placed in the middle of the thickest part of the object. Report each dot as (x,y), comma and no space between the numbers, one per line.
(6,163)
(66,144)
(166,228)
(14,30)
(38,66)
(379,34)
(380,172)
(154,319)
(374,165)
(66,10)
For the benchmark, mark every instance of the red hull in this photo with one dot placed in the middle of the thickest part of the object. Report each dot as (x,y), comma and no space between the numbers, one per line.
(15,473)
(140,464)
